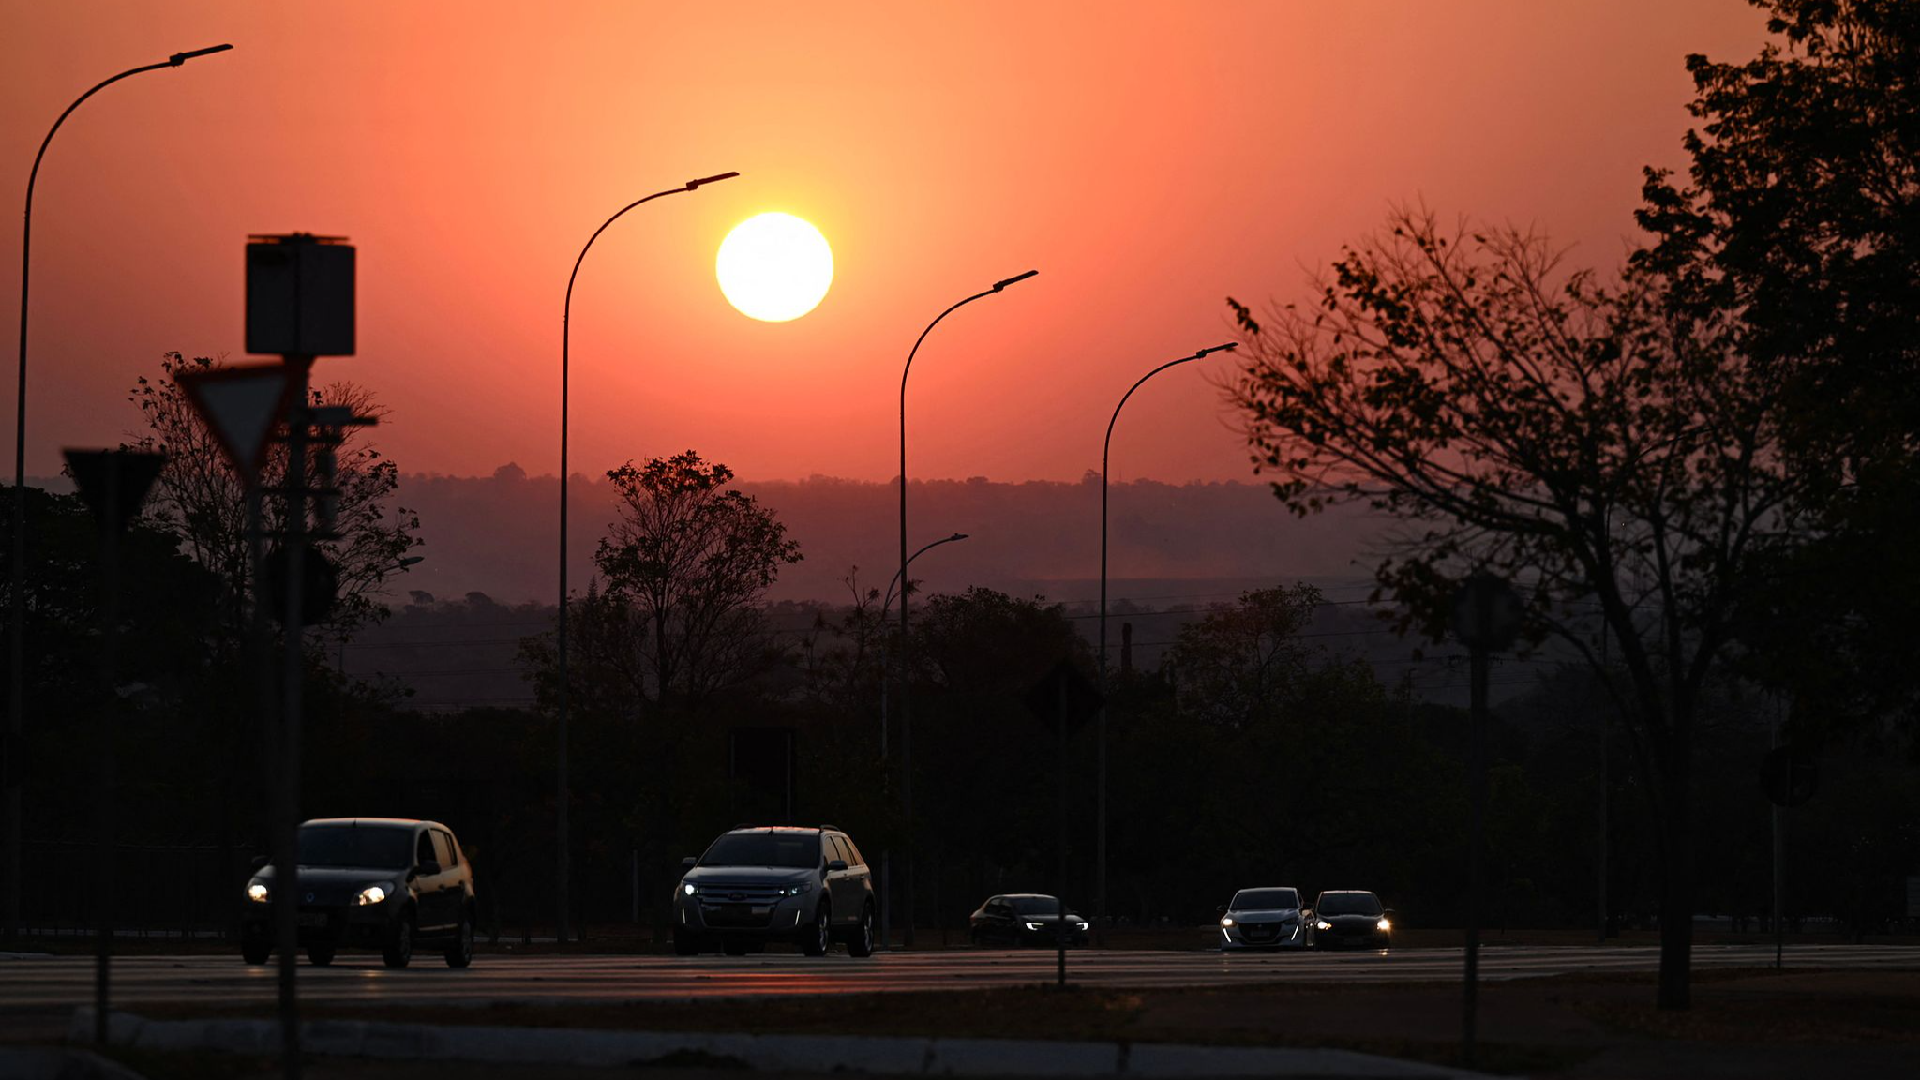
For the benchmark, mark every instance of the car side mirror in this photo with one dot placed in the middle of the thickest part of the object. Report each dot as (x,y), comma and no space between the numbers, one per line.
(258,862)
(1223,909)
(837,865)
(427,869)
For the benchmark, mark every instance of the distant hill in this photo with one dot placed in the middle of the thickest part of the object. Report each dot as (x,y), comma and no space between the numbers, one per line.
(499,534)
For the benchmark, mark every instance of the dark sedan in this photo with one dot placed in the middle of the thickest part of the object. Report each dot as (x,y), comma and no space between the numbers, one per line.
(1353,918)
(1023,919)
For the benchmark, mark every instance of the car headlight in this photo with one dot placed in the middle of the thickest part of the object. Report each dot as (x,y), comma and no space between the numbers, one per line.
(373,894)
(1036,926)
(1226,920)
(687,887)
(257,892)
(1323,925)
(796,890)
(1383,924)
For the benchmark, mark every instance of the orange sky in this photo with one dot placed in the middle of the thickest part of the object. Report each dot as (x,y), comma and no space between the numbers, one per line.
(1148,159)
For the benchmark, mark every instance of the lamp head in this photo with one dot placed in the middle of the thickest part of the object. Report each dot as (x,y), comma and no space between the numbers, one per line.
(182,57)
(958,536)
(1004,282)
(714,179)
(1228,347)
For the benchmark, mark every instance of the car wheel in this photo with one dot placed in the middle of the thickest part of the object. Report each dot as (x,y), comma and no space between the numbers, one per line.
(460,953)
(397,952)
(814,941)
(861,942)
(255,950)
(685,944)
(320,955)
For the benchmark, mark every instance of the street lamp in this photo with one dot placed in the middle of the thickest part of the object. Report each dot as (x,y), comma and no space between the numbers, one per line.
(906,715)
(16,668)
(1100,814)
(886,855)
(566,315)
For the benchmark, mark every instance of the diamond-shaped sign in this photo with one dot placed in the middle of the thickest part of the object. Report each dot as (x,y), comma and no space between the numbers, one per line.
(240,405)
(1064,685)
(113,483)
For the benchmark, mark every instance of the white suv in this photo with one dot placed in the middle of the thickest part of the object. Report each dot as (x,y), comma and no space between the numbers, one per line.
(757,884)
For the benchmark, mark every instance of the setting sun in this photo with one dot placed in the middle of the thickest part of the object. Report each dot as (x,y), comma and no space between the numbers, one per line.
(774,267)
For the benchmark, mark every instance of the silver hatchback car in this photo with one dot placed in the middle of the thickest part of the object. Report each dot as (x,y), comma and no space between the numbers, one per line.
(1265,918)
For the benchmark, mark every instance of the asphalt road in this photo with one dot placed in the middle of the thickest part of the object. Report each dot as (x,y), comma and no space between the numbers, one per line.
(65,981)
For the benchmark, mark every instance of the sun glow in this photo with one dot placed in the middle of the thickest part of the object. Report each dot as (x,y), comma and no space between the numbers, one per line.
(774,267)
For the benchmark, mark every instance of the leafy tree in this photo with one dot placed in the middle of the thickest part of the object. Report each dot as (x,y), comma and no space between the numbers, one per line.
(1238,664)
(687,565)
(1800,216)
(985,768)
(672,636)
(1608,450)
(201,501)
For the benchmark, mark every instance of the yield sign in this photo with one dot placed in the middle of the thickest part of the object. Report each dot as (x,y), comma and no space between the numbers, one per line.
(113,483)
(239,405)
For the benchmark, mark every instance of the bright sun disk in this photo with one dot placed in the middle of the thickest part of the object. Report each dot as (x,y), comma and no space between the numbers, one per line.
(774,267)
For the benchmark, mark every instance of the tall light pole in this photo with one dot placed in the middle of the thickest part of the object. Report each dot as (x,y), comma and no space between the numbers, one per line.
(906,714)
(886,854)
(11,766)
(1100,813)
(566,314)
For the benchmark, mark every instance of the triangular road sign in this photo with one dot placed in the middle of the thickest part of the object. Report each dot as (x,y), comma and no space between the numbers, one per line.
(114,483)
(240,405)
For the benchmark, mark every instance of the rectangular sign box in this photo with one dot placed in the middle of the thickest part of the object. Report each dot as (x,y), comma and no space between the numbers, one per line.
(299,295)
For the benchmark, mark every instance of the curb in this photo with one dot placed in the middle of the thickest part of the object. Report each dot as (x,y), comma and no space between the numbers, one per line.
(888,1055)
(55,1063)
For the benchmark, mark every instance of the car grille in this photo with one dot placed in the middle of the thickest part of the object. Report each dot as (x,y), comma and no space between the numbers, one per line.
(1260,931)
(741,905)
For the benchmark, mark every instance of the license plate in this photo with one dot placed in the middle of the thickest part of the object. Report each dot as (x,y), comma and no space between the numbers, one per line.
(313,918)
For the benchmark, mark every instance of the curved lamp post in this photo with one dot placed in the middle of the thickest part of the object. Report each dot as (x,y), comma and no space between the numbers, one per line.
(1100,814)
(906,715)
(566,316)
(886,856)
(15,663)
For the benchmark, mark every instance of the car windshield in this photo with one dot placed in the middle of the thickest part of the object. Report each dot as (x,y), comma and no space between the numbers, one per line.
(1349,903)
(383,847)
(764,849)
(1265,899)
(1036,905)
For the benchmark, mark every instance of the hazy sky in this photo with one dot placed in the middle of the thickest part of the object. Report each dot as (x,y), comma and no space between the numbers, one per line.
(1147,159)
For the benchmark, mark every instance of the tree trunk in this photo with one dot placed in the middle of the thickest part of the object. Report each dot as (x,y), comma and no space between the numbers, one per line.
(1676,878)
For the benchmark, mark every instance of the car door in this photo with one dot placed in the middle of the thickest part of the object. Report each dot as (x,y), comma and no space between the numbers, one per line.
(843,885)
(1000,921)
(429,877)
(452,877)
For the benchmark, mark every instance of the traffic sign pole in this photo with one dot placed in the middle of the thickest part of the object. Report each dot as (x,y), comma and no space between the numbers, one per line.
(1060,926)
(113,483)
(1487,615)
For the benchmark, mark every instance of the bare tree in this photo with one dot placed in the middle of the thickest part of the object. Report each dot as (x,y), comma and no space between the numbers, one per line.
(201,501)
(1609,451)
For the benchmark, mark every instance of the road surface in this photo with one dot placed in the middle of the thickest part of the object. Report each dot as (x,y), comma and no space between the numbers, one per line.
(359,978)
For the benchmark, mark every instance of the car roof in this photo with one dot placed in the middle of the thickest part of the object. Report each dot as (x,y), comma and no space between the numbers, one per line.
(1346,892)
(1028,896)
(801,829)
(375,822)
(1264,888)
